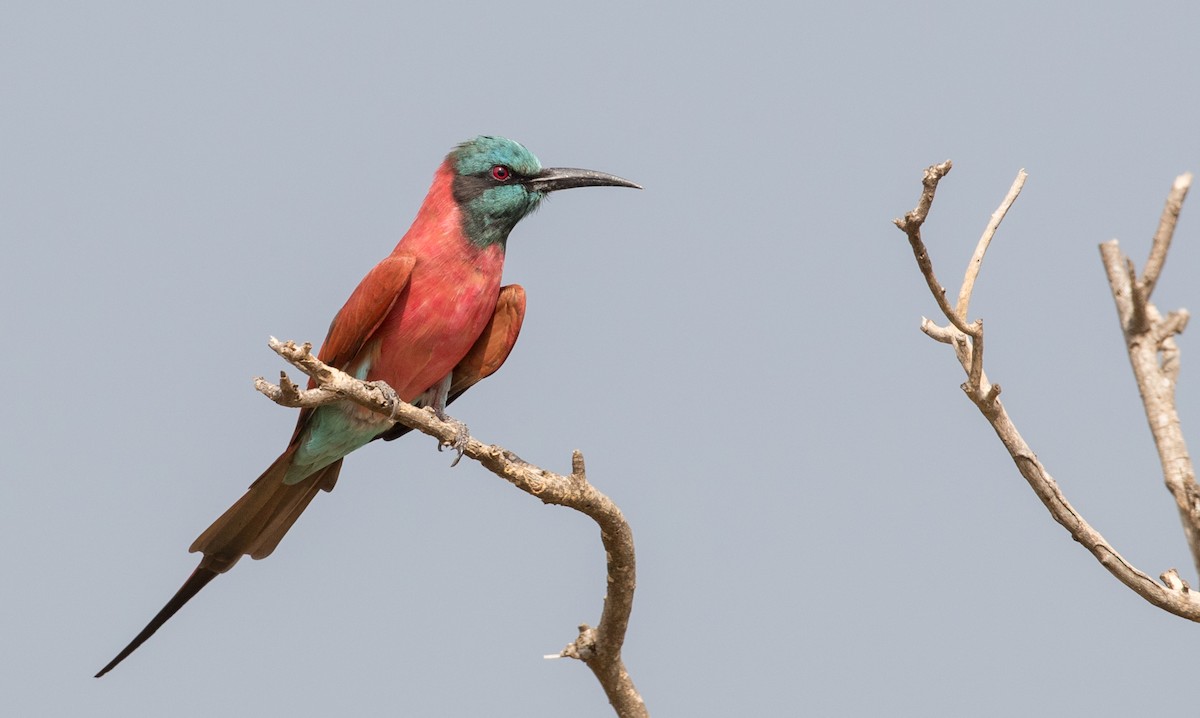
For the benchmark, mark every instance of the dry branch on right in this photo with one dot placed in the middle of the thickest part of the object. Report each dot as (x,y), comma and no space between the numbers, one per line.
(1150,339)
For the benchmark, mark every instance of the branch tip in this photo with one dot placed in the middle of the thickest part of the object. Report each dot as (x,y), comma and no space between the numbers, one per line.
(1173,581)
(1164,233)
(973,266)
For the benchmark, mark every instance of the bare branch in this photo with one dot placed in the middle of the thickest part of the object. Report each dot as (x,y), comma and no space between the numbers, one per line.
(945,335)
(975,379)
(599,648)
(967,339)
(911,223)
(968,285)
(288,394)
(1166,230)
(914,219)
(1173,581)
(1138,323)
(1154,357)
(1172,594)
(1174,323)
(1180,602)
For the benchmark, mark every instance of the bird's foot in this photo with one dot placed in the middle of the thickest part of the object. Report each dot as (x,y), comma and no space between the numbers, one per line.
(461,437)
(389,395)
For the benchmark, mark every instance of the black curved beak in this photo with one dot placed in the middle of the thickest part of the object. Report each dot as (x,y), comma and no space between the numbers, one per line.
(556,178)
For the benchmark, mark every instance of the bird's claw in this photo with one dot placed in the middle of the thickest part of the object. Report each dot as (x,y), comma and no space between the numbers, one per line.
(459,443)
(389,397)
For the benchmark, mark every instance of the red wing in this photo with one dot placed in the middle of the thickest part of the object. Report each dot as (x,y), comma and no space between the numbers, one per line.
(490,350)
(492,347)
(359,317)
(365,310)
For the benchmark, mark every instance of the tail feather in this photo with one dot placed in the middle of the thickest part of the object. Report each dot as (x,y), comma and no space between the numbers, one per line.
(198,580)
(285,512)
(254,525)
(256,522)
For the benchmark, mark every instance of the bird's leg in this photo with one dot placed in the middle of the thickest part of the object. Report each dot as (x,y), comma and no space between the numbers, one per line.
(440,395)
(436,396)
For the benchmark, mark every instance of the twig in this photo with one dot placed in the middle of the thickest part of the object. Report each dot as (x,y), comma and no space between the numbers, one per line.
(1166,230)
(1172,594)
(599,648)
(968,285)
(911,223)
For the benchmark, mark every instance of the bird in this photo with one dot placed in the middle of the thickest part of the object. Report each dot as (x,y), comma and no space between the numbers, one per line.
(430,320)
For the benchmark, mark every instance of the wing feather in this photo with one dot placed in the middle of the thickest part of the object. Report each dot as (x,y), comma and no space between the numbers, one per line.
(489,351)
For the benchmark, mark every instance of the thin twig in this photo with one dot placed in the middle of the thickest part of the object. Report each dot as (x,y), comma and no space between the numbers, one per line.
(911,223)
(1166,230)
(599,648)
(968,285)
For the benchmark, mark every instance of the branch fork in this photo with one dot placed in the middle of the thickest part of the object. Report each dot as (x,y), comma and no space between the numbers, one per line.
(967,338)
(1154,357)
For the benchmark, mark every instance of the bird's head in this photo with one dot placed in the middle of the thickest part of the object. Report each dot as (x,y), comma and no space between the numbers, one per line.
(497,182)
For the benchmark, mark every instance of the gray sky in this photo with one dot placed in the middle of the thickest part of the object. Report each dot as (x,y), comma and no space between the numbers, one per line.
(824,523)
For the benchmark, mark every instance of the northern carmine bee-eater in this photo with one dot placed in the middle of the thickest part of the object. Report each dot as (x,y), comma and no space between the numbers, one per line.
(431,320)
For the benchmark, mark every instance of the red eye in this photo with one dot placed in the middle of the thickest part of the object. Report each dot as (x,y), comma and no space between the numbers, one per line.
(500,173)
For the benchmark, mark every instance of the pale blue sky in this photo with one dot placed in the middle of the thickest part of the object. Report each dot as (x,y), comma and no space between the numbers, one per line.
(825,524)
